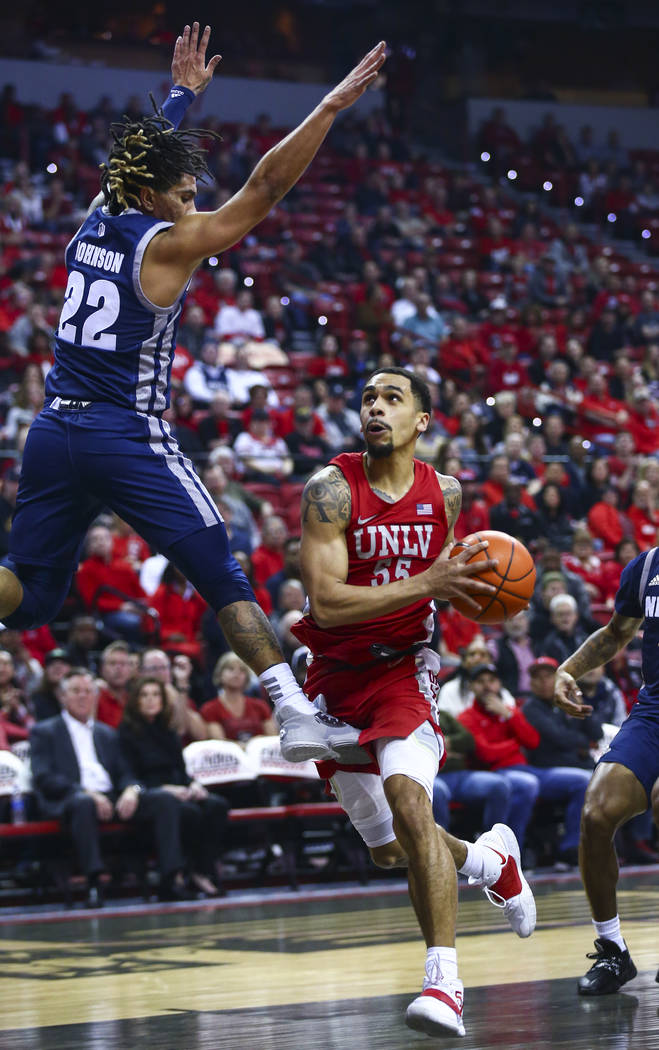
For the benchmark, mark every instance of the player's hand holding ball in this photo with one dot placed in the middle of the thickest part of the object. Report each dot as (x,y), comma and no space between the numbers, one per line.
(453,577)
(506,565)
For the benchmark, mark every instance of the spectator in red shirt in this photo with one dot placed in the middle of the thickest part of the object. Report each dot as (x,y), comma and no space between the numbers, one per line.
(100,570)
(583,561)
(644,422)
(644,515)
(232,714)
(500,733)
(502,736)
(180,609)
(494,247)
(127,545)
(496,136)
(506,372)
(268,558)
(612,568)
(302,398)
(117,669)
(605,521)
(475,514)
(328,363)
(462,352)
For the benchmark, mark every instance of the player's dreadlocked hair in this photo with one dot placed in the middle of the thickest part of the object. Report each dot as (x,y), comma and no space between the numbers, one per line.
(150,152)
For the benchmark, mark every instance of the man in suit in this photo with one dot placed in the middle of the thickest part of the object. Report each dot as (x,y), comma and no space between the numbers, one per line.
(81,778)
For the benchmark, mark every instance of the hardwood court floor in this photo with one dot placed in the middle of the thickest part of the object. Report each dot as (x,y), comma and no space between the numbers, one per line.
(331,974)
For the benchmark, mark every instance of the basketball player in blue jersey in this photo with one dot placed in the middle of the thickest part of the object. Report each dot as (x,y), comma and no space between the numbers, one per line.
(626,779)
(100,440)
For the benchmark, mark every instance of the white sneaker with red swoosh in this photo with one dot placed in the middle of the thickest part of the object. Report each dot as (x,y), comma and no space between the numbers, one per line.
(505,885)
(438,1010)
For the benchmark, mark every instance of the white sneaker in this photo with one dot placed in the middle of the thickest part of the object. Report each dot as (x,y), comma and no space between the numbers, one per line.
(438,1010)
(504,885)
(318,737)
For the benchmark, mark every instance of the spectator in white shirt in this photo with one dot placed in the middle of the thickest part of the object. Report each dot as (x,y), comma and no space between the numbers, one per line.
(263,456)
(241,378)
(240,321)
(205,377)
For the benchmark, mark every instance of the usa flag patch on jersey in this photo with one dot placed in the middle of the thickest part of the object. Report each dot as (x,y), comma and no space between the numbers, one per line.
(424,508)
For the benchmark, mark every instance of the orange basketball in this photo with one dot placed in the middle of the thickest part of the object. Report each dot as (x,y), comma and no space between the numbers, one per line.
(514,577)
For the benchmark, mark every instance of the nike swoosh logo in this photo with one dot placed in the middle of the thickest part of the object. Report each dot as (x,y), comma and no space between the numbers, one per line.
(503,859)
(364,521)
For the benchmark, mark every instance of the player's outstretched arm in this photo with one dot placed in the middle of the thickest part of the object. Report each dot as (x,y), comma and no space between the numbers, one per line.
(189,68)
(201,234)
(596,651)
(326,512)
(190,71)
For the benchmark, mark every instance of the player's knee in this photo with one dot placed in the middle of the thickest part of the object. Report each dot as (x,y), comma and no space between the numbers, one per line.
(391,855)
(597,817)
(205,559)
(412,814)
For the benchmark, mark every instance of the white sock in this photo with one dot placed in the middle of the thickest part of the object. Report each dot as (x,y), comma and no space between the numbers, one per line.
(442,964)
(283,689)
(482,862)
(610,930)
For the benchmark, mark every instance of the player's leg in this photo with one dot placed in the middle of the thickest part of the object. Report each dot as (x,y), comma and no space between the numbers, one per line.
(614,795)
(306,733)
(53,513)
(143,476)
(431,874)
(654,801)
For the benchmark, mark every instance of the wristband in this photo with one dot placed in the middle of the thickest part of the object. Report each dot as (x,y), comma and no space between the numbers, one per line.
(175,105)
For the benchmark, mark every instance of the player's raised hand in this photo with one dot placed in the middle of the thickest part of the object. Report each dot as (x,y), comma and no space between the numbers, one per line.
(189,67)
(568,696)
(355,84)
(456,577)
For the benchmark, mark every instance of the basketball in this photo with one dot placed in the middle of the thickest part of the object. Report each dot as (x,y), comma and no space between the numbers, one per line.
(514,577)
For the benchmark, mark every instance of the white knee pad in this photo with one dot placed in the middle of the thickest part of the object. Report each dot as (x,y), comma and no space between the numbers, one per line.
(362,797)
(362,794)
(416,757)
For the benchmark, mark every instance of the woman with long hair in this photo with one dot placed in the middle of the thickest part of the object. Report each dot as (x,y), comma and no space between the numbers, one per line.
(153,749)
(555,524)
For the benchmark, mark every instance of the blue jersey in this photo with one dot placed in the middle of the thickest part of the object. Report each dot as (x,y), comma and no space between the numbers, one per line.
(112,343)
(638,598)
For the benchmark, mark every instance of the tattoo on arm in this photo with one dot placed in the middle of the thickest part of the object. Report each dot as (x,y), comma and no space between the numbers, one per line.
(601,647)
(452,490)
(326,498)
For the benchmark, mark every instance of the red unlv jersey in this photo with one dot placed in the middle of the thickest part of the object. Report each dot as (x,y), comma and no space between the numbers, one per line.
(386,542)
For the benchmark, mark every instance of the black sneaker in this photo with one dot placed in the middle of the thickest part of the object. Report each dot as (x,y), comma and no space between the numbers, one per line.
(613,968)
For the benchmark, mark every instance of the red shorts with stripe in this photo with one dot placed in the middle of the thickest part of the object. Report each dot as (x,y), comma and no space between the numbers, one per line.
(389,698)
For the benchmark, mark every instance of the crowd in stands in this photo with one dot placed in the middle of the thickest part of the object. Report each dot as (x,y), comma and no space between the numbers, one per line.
(597,175)
(541,349)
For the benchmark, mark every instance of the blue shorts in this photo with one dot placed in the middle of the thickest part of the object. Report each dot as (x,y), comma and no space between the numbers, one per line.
(636,745)
(76,463)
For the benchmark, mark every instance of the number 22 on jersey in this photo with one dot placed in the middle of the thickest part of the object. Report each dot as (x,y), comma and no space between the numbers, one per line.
(103,297)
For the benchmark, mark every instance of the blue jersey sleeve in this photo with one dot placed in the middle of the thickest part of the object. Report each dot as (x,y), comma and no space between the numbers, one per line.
(627,601)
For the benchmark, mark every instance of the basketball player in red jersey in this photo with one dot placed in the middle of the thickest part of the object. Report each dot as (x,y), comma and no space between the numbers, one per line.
(377,529)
